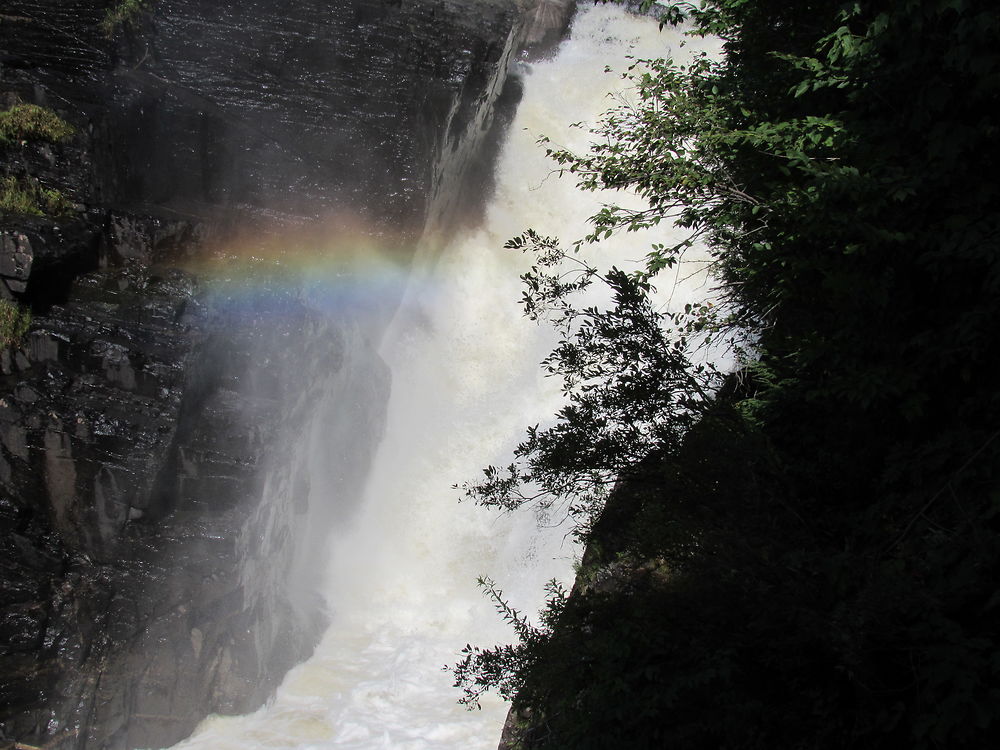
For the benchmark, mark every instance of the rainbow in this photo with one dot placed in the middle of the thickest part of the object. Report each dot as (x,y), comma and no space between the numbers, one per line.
(337,268)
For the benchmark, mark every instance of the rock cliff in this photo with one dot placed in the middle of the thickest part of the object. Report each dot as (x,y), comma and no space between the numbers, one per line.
(154,444)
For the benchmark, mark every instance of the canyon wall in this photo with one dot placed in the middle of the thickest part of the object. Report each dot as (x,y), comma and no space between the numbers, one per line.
(153,460)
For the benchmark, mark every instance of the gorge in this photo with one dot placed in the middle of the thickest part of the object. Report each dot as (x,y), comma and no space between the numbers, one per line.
(255,320)
(465,383)
(239,175)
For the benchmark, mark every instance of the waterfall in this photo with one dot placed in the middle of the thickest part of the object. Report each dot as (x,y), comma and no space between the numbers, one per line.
(465,382)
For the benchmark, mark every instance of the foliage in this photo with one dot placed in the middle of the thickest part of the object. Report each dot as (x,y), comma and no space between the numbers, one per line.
(123,13)
(29,122)
(803,560)
(627,377)
(27,197)
(14,323)
(500,668)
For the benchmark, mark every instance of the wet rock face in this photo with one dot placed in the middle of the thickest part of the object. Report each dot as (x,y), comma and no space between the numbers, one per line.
(302,107)
(96,390)
(152,507)
(155,507)
(298,108)
(39,259)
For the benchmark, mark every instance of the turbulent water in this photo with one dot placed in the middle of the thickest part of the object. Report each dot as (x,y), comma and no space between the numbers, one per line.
(402,579)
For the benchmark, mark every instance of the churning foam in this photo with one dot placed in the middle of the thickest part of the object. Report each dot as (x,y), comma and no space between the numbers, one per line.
(466,382)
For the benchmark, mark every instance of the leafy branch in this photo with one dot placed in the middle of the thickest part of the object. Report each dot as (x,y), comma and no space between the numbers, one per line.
(627,375)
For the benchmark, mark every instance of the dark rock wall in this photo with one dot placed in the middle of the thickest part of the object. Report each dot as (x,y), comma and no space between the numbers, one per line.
(151,508)
(295,108)
(156,446)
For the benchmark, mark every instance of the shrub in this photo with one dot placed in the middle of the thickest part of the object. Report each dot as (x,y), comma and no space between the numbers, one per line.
(14,323)
(28,198)
(29,122)
(121,14)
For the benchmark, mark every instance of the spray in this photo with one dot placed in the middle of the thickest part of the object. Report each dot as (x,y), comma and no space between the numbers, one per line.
(465,382)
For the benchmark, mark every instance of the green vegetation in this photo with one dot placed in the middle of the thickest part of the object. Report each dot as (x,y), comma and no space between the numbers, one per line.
(121,14)
(14,323)
(28,198)
(29,122)
(801,554)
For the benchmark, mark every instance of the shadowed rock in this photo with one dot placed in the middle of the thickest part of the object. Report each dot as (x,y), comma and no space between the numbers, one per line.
(153,493)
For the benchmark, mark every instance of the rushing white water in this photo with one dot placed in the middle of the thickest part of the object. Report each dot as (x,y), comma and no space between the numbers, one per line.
(465,384)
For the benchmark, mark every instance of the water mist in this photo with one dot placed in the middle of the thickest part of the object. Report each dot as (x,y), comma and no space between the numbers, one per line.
(401,582)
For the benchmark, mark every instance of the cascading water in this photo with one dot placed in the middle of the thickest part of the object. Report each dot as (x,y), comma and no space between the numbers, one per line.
(401,582)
